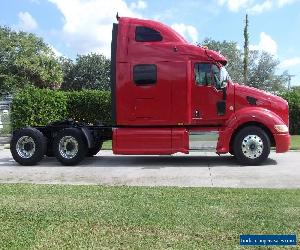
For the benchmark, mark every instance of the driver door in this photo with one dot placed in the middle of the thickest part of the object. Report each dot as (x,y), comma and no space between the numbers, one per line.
(211,105)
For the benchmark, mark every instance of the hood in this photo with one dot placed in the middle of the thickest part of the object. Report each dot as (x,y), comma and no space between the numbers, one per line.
(256,93)
(249,96)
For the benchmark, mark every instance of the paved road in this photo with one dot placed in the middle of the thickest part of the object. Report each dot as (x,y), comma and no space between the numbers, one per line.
(197,169)
(4,140)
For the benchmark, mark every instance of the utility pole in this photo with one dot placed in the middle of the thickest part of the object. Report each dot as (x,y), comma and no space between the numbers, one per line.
(289,81)
(246,50)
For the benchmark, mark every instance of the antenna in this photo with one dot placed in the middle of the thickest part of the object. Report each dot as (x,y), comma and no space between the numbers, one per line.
(117,16)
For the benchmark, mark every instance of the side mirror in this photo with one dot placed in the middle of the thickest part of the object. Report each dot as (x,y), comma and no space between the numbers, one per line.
(224,88)
(224,84)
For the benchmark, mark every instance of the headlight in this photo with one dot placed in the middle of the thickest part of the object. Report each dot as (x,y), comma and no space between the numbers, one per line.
(281,128)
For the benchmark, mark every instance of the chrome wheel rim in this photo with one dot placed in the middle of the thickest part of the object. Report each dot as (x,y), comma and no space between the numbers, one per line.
(68,147)
(252,146)
(25,147)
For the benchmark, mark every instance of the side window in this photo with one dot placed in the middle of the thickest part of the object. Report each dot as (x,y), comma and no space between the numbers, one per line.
(145,74)
(144,34)
(207,74)
(216,76)
(202,73)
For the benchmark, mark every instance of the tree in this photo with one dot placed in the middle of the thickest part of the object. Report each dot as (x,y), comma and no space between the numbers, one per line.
(234,56)
(262,67)
(67,66)
(26,59)
(90,71)
(246,50)
(296,89)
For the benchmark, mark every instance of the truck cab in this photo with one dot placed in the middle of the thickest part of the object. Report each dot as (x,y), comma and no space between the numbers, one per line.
(170,96)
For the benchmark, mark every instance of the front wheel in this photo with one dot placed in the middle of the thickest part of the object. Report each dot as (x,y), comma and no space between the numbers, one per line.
(251,146)
(69,146)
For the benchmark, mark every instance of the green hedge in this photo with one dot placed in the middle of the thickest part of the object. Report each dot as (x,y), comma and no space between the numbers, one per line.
(38,107)
(293,99)
(89,106)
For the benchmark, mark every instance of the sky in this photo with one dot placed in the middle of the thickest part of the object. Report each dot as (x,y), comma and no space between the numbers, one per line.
(74,27)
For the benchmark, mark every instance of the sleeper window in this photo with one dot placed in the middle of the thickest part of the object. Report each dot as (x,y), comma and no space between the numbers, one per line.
(145,74)
(145,34)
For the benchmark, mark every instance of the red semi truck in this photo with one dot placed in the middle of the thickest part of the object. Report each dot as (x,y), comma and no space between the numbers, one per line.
(168,96)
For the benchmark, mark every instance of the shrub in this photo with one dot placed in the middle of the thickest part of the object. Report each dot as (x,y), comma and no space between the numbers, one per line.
(34,107)
(89,106)
(38,107)
(293,99)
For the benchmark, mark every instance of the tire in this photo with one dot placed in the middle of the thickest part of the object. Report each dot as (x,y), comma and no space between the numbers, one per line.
(94,150)
(28,146)
(251,146)
(69,146)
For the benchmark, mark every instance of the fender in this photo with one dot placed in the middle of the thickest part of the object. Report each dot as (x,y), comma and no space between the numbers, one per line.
(88,136)
(245,115)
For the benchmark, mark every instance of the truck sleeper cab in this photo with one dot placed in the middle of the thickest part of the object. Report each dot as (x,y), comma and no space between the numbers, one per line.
(169,96)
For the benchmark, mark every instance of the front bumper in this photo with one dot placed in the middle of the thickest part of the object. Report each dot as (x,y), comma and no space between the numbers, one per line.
(283,142)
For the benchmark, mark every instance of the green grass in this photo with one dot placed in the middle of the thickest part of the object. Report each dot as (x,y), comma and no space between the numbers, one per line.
(295,142)
(93,217)
(107,145)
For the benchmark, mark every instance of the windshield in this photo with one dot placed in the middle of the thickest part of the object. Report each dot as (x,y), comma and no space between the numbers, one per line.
(211,74)
(224,76)
(221,76)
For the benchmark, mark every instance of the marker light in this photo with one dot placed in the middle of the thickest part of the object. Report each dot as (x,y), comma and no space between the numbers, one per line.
(281,128)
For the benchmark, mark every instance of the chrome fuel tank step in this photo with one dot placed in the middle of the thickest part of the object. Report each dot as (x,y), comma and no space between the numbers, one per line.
(203,141)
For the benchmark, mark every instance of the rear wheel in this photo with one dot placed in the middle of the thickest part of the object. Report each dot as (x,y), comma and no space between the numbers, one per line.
(69,146)
(251,146)
(28,146)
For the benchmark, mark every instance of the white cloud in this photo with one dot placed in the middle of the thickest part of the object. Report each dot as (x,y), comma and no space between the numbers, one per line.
(266,43)
(187,31)
(259,8)
(254,6)
(88,23)
(290,62)
(26,22)
(138,5)
(235,5)
(281,3)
